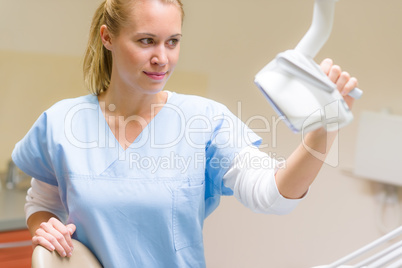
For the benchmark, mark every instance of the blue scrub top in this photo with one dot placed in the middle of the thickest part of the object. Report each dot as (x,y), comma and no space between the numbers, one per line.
(143,206)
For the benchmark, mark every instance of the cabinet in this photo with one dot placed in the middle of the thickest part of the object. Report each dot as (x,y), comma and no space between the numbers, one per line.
(15,249)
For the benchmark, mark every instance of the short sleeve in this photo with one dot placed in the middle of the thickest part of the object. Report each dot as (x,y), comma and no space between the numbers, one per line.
(31,154)
(230,135)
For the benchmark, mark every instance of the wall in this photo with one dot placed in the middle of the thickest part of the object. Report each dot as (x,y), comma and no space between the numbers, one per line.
(232,41)
(235,41)
(31,83)
(225,44)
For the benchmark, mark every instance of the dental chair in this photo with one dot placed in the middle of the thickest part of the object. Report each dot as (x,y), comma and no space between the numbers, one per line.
(82,257)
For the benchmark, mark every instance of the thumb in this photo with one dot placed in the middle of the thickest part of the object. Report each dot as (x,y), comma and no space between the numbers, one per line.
(71,228)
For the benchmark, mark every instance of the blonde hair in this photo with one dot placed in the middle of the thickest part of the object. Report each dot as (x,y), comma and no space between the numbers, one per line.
(98,60)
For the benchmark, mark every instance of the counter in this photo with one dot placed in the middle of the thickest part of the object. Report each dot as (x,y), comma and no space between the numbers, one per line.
(12,215)
(15,239)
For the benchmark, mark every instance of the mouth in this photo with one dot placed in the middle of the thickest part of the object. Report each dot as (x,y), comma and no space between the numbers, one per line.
(156,75)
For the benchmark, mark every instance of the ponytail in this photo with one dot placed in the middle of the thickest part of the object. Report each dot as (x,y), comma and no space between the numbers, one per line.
(97,65)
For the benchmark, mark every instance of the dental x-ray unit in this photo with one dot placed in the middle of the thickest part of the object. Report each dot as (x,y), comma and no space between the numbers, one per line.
(378,256)
(299,91)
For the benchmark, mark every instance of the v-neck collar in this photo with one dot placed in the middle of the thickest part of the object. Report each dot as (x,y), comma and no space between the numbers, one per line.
(144,132)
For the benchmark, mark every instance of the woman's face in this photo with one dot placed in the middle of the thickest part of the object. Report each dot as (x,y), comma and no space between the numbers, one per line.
(146,50)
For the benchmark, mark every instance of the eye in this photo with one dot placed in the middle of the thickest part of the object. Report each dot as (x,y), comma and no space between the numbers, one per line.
(147,41)
(173,42)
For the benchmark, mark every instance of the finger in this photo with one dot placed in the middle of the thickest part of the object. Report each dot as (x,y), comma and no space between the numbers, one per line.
(43,236)
(65,230)
(342,81)
(334,73)
(326,65)
(350,85)
(71,227)
(39,240)
(349,101)
(59,236)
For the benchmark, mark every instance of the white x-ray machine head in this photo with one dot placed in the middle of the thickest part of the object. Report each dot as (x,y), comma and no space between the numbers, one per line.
(297,88)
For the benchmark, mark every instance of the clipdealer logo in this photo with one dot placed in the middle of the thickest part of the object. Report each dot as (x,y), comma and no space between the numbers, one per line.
(329,118)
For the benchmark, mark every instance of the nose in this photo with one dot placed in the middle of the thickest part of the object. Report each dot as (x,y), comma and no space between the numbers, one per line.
(160,56)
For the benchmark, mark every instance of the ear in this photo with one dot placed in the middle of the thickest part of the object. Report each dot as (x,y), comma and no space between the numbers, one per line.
(106,37)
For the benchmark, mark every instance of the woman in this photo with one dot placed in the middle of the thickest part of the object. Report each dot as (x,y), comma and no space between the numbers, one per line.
(131,170)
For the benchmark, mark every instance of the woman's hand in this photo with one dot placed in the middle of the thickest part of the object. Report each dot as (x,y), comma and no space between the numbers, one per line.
(343,81)
(54,235)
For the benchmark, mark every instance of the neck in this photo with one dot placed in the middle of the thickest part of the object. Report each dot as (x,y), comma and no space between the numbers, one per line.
(129,103)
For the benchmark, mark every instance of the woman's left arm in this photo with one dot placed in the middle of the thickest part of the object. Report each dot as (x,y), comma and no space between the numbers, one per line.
(301,166)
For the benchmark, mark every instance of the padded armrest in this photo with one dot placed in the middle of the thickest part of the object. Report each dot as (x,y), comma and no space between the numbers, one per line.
(82,257)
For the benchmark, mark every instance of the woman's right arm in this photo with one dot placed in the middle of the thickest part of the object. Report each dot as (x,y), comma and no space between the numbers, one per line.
(44,210)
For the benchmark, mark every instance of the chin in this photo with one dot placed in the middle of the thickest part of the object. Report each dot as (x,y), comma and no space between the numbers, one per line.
(155,90)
